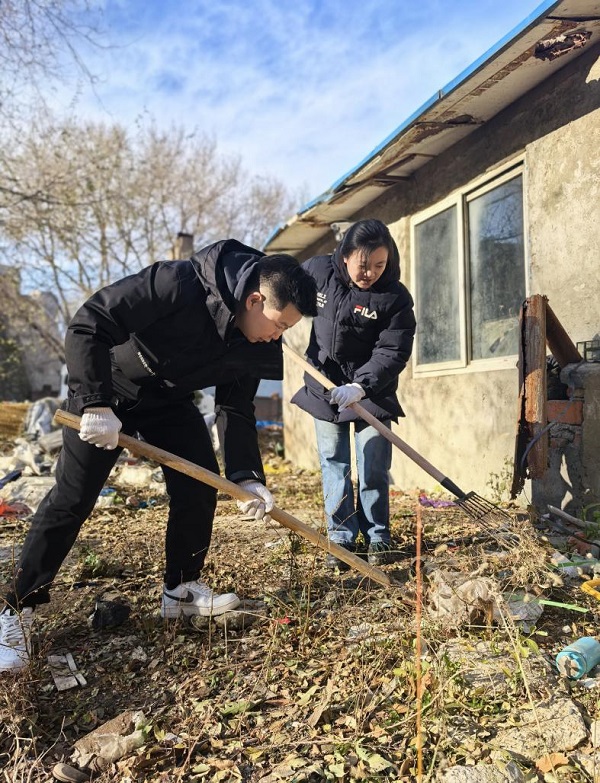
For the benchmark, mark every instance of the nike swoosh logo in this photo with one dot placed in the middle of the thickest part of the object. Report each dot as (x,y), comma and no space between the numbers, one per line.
(180,599)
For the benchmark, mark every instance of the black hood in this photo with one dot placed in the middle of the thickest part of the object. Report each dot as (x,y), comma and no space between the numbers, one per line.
(224,269)
(390,275)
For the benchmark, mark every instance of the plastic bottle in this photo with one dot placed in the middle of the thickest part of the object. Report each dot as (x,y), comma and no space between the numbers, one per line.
(564,565)
(578,658)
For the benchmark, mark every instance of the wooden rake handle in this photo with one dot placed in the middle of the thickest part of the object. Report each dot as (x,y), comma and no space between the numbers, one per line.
(143,449)
(379,426)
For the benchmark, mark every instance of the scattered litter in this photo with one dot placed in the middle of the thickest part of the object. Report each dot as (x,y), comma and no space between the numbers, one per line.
(564,565)
(39,417)
(456,598)
(359,632)
(110,741)
(590,588)
(106,498)
(136,475)
(27,456)
(11,476)
(51,442)
(586,564)
(578,658)
(110,611)
(64,672)
(559,605)
(30,490)
(435,502)
(589,682)
(525,609)
(14,509)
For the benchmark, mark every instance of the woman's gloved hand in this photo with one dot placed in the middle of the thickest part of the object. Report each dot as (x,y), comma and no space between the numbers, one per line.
(346,395)
(101,427)
(259,506)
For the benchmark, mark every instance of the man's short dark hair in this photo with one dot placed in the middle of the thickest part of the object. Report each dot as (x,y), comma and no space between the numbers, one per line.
(287,283)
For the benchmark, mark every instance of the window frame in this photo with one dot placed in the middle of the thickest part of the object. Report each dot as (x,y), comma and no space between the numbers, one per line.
(460,199)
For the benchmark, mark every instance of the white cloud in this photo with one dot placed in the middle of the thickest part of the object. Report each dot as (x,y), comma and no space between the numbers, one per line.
(303,90)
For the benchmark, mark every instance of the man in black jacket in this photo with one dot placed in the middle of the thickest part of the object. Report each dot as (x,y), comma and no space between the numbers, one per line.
(136,351)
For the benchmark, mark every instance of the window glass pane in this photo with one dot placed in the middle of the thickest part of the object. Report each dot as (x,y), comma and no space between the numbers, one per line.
(436,254)
(497,269)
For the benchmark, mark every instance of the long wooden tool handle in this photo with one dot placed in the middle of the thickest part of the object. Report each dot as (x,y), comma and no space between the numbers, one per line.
(379,426)
(143,449)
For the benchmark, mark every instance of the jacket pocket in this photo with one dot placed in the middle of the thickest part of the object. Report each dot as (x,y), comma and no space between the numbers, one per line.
(133,364)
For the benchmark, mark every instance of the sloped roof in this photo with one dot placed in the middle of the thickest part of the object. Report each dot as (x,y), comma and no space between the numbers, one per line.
(552,36)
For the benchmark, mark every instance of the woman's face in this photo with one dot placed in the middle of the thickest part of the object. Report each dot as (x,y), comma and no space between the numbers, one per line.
(363,271)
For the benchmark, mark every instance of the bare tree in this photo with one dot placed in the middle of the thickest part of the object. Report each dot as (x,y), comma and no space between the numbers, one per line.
(110,203)
(39,41)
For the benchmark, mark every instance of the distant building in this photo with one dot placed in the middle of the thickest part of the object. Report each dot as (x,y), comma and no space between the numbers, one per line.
(30,341)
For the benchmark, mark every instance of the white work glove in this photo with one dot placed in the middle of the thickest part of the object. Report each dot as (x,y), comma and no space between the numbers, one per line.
(101,427)
(342,396)
(259,506)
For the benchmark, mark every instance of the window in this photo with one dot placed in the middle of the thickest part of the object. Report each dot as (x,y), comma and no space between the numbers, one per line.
(469,273)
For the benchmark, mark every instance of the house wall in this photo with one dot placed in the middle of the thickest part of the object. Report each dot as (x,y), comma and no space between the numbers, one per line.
(465,422)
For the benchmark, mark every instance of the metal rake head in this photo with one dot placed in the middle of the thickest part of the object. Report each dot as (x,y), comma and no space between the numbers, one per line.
(493,520)
(479,508)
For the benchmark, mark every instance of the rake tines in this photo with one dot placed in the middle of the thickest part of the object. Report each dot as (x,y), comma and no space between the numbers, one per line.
(481,510)
(488,515)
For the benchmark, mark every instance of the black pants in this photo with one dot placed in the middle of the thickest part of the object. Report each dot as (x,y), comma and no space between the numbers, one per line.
(82,470)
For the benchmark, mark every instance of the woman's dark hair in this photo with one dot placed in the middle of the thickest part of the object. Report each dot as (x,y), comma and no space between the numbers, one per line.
(286,281)
(366,236)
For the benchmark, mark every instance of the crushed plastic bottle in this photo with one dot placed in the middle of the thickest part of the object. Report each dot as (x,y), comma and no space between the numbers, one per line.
(578,658)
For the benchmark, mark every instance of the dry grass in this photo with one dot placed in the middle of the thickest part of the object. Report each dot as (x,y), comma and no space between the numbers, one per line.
(322,687)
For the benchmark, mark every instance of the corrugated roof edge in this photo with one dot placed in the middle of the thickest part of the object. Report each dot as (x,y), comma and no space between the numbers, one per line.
(538,13)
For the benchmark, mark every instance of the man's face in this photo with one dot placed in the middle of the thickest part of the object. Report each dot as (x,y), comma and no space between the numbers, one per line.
(260,322)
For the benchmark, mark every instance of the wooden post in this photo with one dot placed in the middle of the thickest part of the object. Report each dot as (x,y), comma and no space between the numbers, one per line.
(535,383)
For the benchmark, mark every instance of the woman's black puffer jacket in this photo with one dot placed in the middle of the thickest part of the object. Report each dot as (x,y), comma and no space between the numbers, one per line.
(358,336)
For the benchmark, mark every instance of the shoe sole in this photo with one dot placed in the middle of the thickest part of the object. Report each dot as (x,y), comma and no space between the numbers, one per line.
(185,610)
(67,774)
(16,668)
(340,566)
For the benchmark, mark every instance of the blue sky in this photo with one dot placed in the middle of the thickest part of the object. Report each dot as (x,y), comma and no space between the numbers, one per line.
(300,90)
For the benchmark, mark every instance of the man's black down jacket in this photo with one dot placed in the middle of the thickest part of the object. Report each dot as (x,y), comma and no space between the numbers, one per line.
(358,336)
(159,335)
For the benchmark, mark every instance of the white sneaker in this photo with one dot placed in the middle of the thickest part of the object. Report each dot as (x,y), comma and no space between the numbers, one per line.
(196,598)
(15,639)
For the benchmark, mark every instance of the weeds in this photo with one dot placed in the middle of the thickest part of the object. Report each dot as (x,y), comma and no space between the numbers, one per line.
(322,687)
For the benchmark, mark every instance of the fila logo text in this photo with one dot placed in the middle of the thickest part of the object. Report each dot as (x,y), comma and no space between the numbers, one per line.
(364,311)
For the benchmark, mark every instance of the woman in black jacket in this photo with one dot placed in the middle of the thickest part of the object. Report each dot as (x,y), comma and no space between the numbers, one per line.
(361,339)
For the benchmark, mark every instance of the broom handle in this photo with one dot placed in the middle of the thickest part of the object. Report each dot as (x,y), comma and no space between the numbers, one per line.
(143,449)
(379,426)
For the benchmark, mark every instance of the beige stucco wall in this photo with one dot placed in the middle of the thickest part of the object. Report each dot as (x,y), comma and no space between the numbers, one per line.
(563,205)
(465,423)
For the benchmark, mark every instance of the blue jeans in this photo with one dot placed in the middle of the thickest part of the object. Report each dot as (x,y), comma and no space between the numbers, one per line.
(370,514)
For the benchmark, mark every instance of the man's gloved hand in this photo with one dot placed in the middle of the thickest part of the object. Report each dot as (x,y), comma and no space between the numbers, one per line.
(260,506)
(342,396)
(101,427)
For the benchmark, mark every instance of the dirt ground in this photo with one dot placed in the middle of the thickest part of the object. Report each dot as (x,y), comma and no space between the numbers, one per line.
(322,684)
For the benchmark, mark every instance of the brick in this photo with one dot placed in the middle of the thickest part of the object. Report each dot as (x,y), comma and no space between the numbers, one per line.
(565,411)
